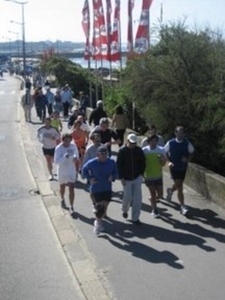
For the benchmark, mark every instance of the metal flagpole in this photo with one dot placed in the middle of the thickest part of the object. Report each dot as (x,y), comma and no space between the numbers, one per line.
(120,41)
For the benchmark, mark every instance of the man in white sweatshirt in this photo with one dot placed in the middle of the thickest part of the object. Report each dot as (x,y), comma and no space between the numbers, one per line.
(66,156)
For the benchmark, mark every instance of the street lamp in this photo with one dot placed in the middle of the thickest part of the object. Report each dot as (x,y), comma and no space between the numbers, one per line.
(18,43)
(23,33)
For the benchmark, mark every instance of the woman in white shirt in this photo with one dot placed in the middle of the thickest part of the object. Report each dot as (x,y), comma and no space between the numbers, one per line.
(66,156)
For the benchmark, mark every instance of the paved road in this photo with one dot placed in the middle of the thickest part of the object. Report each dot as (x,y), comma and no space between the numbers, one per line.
(32,263)
(169,258)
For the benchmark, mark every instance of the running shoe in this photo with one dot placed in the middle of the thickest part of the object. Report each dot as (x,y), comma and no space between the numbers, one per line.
(155,213)
(71,209)
(98,227)
(125,215)
(184,210)
(94,209)
(138,222)
(51,177)
(63,204)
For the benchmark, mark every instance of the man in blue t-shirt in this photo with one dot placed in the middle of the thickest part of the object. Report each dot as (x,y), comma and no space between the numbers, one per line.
(100,172)
(179,151)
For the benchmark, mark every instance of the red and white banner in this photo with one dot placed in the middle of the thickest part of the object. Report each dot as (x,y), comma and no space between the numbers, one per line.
(115,35)
(86,28)
(143,32)
(100,41)
(130,26)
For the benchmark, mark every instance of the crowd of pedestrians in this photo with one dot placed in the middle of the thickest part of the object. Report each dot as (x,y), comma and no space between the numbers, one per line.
(81,153)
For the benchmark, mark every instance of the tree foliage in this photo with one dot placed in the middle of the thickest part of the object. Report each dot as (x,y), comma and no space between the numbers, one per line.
(180,81)
(68,72)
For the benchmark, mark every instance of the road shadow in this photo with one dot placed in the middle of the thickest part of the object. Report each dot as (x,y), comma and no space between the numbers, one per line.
(204,216)
(84,219)
(36,123)
(121,234)
(82,185)
(144,252)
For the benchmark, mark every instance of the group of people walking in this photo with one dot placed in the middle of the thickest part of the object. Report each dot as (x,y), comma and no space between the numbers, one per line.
(46,102)
(88,154)
(133,166)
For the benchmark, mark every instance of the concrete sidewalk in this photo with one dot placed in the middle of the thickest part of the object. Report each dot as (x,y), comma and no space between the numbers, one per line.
(136,262)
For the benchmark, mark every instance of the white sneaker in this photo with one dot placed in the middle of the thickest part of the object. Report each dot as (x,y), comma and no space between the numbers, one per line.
(71,210)
(94,209)
(184,210)
(98,227)
(169,195)
(155,213)
(51,177)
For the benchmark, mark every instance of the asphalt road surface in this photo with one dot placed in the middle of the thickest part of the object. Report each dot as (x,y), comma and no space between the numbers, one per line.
(32,263)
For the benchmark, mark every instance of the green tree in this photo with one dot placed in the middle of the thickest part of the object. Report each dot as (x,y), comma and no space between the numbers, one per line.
(180,81)
(68,72)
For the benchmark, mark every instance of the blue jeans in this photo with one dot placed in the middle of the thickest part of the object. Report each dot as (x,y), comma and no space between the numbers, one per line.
(132,193)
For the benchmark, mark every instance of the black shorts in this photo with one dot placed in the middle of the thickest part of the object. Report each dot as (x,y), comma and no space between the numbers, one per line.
(154,182)
(49,152)
(102,196)
(178,174)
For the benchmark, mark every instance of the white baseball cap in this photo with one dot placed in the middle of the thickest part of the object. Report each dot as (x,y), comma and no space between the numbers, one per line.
(132,138)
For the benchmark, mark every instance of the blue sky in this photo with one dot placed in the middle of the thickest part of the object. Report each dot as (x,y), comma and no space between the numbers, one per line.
(56,19)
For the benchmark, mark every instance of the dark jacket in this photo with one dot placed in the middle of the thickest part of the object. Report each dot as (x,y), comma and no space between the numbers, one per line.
(41,101)
(96,115)
(71,120)
(130,162)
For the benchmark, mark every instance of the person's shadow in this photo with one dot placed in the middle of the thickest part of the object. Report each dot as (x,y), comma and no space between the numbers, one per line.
(120,237)
(81,185)
(119,234)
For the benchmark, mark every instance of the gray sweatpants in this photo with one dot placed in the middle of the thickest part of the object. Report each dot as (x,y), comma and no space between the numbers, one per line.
(132,194)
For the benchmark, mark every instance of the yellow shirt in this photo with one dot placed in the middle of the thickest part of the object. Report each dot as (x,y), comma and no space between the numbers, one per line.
(55,123)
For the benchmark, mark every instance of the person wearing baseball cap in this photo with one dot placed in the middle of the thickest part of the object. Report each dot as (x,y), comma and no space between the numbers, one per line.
(131,167)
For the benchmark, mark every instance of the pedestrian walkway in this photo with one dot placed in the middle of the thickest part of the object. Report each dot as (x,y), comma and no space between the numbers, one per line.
(172,257)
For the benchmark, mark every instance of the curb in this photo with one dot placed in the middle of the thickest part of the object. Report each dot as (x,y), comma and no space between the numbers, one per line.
(88,283)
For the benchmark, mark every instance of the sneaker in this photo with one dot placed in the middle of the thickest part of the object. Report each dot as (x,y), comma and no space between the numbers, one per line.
(125,215)
(51,177)
(98,227)
(169,195)
(63,204)
(138,222)
(94,209)
(184,210)
(155,213)
(71,209)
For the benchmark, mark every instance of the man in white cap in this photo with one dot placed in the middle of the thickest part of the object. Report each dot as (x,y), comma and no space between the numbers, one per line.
(131,167)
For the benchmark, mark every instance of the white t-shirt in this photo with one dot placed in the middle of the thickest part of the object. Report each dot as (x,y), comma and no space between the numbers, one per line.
(48,136)
(85,127)
(66,169)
